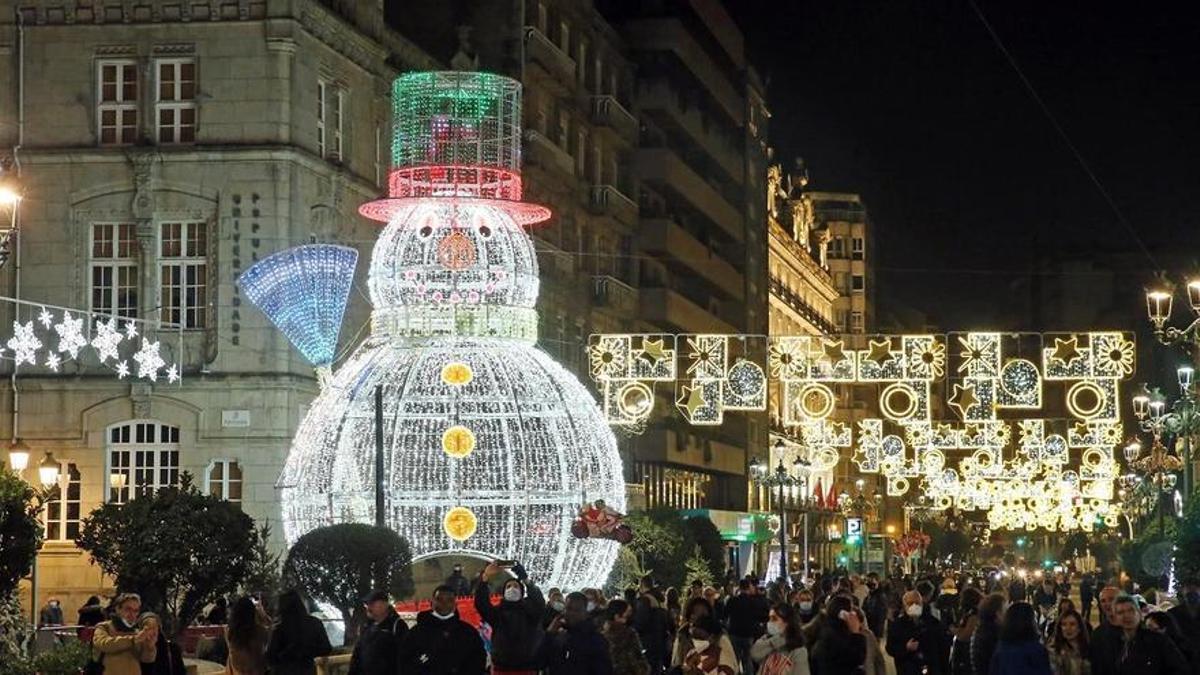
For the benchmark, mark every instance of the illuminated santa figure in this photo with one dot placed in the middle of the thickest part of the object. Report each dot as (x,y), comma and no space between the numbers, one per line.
(490,446)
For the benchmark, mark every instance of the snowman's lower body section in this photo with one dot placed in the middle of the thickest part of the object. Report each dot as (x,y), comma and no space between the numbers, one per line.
(536,448)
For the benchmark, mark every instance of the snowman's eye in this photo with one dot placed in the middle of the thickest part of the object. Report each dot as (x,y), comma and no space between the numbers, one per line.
(425,232)
(485,231)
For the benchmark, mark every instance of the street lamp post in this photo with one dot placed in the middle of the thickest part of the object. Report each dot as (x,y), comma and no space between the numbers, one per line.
(49,472)
(1159,466)
(1184,423)
(779,479)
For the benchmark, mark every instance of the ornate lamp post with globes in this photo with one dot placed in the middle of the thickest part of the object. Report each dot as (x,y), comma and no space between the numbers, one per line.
(780,479)
(1159,465)
(1183,418)
(48,475)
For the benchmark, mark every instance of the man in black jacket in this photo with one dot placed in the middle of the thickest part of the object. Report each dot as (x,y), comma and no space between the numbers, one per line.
(517,634)
(576,647)
(916,640)
(653,626)
(377,651)
(747,615)
(441,643)
(1137,650)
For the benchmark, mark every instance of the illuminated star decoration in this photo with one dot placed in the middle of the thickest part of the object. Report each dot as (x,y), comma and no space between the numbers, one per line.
(24,343)
(1066,350)
(131,329)
(970,354)
(107,339)
(834,351)
(70,335)
(52,361)
(881,352)
(148,360)
(173,374)
(691,399)
(963,398)
(122,369)
(652,351)
(45,318)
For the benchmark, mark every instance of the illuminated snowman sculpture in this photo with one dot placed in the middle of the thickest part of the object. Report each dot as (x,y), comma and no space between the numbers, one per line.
(490,446)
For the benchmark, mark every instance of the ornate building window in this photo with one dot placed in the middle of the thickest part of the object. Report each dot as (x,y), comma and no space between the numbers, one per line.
(117,102)
(114,269)
(145,454)
(175,106)
(63,513)
(183,265)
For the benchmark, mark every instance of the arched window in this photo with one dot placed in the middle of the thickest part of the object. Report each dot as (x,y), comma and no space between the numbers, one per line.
(143,456)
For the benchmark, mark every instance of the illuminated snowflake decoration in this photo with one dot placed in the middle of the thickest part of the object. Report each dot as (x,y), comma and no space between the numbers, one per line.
(107,339)
(45,318)
(131,329)
(453,280)
(70,335)
(148,360)
(122,370)
(24,344)
(53,362)
(173,374)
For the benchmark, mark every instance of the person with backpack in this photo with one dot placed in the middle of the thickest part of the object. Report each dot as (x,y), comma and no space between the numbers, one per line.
(517,633)
(377,651)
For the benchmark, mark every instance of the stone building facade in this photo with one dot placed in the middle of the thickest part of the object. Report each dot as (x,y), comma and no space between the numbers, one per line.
(162,148)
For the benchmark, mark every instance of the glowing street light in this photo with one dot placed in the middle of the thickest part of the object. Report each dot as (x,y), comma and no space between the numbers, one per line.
(18,456)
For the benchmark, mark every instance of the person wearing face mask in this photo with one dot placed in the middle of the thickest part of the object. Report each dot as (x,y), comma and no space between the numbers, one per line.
(517,634)
(51,614)
(1187,613)
(711,652)
(624,646)
(555,604)
(441,643)
(806,609)
(781,651)
(118,646)
(915,640)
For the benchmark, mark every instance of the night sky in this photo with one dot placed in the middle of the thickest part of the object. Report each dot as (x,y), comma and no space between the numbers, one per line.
(912,104)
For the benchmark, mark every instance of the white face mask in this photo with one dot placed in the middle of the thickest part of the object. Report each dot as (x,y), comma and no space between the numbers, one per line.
(914,611)
(512,594)
(774,628)
(700,645)
(444,617)
(557,606)
(806,605)
(591,606)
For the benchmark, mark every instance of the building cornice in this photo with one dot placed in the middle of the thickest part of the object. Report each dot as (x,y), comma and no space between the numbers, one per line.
(821,278)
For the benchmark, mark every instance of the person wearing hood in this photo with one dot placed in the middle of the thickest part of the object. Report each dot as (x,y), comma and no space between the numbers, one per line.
(441,643)
(118,645)
(377,651)
(517,633)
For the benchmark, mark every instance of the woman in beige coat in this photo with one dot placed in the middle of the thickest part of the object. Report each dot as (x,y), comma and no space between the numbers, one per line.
(118,645)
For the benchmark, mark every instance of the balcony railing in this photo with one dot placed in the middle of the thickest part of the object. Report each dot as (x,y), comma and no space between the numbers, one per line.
(542,51)
(541,151)
(607,111)
(614,293)
(797,304)
(606,199)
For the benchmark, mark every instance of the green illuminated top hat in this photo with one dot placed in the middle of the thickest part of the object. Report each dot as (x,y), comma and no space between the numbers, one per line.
(456,135)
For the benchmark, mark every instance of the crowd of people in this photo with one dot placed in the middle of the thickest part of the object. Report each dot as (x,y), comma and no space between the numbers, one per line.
(839,624)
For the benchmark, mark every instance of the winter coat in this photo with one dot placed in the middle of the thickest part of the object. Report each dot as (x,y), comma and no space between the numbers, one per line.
(579,650)
(983,645)
(442,647)
(652,624)
(114,646)
(716,659)
(767,647)
(747,615)
(932,651)
(517,634)
(625,648)
(294,645)
(1148,653)
(960,644)
(1020,658)
(378,649)
(874,665)
(838,652)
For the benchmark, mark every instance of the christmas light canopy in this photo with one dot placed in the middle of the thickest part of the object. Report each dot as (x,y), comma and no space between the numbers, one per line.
(490,446)
(303,290)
